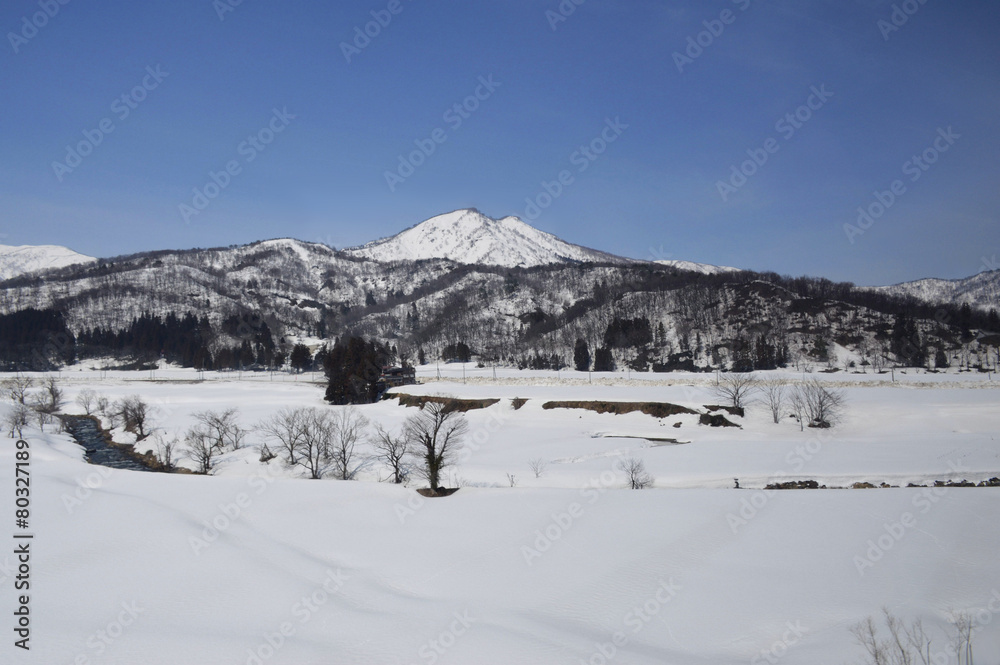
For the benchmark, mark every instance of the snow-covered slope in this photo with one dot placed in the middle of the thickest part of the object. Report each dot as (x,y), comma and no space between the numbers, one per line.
(23,259)
(703,268)
(468,236)
(982,290)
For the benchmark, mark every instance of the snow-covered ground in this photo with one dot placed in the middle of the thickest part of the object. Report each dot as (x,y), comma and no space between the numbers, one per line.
(565,567)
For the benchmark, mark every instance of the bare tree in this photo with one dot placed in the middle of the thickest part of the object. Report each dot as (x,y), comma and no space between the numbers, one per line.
(223,428)
(318,431)
(287,426)
(775,391)
(824,406)
(101,405)
(50,399)
(736,388)
(348,427)
(962,640)
(435,434)
(878,359)
(42,417)
(87,400)
(904,644)
(135,414)
(392,450)
(17,419)
(537,466)
(797,401)
(200,447)
(17,388)
(635,471)
(165,450)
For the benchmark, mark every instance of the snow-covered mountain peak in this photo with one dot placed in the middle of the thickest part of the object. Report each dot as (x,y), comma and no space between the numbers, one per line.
(23,259)
(469,236)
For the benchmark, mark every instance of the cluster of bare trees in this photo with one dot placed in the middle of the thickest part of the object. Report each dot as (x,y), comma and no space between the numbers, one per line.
(811,402)
(30,405)
(319,440)
(216,432)
(912,644)
(325,442)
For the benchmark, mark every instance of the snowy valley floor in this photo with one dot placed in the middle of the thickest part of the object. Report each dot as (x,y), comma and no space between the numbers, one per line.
(257,565)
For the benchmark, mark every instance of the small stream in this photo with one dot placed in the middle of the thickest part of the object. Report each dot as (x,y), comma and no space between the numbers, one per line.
(99,451)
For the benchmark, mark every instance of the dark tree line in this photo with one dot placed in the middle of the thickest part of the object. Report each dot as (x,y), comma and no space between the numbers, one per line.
(353,367)
(35,339)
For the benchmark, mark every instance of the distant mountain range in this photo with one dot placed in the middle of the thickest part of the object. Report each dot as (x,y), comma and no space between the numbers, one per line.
(497,288)
(469,237)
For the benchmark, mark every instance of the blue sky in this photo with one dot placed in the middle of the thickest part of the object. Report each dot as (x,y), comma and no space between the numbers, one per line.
(886,96)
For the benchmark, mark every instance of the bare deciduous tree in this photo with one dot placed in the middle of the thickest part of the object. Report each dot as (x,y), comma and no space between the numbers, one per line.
(17,387)
(635,471)
(435,434)
(165,451)
(736,388)
(824,406)
(287,427)
(537,466)
(314,443)
(775,391)
(135,414)
(200,447)
(348,427)
(223,428)
(797,401)
(17,419)
(910,644)
(50,399)
(392,450)
(87,400)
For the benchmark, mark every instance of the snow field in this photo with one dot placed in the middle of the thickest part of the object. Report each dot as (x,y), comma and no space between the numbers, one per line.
(255,566)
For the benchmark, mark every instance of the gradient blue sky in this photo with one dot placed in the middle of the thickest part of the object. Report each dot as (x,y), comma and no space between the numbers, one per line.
(652,194)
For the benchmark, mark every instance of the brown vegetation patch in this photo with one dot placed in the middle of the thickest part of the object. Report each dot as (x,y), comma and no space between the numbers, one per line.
(796,485)
(518,402)
(439,492)
(655,409)
(453,404)
(715,420)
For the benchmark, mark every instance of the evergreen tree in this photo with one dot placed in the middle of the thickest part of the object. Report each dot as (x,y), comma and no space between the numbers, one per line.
(603,360)
(581,356)
(301,359)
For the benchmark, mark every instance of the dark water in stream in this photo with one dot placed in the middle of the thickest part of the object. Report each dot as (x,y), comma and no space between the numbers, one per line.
(99,451)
